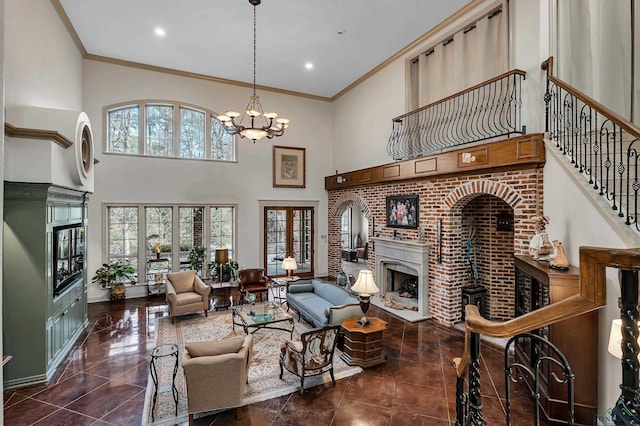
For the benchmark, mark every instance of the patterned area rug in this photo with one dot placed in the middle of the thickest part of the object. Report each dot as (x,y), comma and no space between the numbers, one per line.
(264,370)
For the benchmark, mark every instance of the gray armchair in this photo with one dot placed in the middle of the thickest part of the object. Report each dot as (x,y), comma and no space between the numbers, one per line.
(216,373)
(186,293)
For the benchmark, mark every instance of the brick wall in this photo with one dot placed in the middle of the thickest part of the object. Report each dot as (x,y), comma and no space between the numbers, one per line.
(452,199)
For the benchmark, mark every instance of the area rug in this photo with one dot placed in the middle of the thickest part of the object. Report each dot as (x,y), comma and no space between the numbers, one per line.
(264,370)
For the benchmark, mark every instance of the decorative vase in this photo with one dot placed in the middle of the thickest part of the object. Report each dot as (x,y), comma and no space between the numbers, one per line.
(341,279)
(357,240)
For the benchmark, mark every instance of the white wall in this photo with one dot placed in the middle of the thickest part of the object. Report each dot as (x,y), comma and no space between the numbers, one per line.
(155,180)
(43,67)
(2,91)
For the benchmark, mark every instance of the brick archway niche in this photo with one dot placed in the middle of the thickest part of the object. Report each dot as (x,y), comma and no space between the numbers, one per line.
(457,201)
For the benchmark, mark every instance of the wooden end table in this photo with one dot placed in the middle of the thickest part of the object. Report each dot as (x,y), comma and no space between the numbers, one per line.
(363,345)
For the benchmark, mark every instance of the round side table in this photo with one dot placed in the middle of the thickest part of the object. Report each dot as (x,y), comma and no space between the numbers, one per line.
(159,352)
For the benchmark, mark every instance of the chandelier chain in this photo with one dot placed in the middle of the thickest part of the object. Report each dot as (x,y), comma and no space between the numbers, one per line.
(254,49)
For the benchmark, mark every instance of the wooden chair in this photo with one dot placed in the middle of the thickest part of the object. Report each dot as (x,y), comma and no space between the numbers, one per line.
(253,281)
(362,253)
(312,355)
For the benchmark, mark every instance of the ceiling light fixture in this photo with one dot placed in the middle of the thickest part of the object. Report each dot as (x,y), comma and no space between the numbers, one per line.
(160,32)
(254,123)
(308,66)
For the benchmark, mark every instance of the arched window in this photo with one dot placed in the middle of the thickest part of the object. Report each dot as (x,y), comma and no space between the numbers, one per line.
(167,129)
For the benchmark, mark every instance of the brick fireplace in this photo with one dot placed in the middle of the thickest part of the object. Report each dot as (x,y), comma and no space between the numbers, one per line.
(483,201)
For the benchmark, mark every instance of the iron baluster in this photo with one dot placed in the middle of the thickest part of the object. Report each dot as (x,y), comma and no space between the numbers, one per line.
(475,402)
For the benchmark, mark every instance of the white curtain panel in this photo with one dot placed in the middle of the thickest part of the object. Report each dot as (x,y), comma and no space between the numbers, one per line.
(471,58)
(594,50)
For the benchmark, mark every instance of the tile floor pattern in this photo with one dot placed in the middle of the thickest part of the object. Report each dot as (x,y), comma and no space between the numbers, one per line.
(103,380)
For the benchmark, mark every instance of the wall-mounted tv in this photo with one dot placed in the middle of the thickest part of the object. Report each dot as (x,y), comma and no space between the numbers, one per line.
(402,211)
(68,256)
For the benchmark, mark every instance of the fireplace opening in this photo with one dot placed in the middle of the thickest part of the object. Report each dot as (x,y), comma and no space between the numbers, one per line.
(405,285)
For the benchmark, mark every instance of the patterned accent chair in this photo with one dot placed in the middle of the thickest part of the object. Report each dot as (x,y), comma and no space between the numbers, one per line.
(186,293)
(312,355)
(253,281)
(216,373)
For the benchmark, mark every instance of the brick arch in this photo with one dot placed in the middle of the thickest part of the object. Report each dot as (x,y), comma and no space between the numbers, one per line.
(346,200)
(466,192)
(335,212)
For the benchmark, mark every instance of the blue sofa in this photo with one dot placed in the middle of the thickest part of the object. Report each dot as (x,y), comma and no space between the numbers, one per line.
(322,303)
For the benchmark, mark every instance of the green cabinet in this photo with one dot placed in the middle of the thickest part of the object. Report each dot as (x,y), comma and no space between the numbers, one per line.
(44,293)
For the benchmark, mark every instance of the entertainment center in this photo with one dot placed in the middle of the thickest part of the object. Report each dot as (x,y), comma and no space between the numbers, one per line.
(44,278)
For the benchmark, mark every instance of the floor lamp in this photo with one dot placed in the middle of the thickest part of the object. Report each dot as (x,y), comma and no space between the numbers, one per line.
(222,257)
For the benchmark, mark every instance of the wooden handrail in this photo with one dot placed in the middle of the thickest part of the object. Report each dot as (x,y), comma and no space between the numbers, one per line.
(462,92)
(606,112)
(591,296)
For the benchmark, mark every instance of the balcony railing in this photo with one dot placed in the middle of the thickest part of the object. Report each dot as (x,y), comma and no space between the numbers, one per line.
(487,110)
(601,145)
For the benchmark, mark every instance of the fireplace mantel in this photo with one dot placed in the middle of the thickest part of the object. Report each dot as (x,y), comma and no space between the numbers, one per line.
(411,254)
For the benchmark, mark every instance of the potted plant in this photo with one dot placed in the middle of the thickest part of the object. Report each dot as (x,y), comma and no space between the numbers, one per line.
(114,275)
(229,270)
(196,259)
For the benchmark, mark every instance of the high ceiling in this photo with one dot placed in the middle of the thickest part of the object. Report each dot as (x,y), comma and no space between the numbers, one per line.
(343,39)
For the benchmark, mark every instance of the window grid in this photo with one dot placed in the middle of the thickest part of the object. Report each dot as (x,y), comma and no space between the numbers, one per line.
(122,235)
(159,130)
(192,133)
(123,130)
(222,230)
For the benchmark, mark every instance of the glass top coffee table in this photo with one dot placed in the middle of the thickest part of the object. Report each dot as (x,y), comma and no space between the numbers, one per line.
(259,316)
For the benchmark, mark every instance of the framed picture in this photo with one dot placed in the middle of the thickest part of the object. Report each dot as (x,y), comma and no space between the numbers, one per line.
(289,167)
(402,211)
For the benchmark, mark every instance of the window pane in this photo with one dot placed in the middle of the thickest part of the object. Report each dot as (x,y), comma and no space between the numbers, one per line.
(159,130)
(191,133)
(222,230)
(123,130)
(159,231)
(191,232)
(123,234)
(222,143)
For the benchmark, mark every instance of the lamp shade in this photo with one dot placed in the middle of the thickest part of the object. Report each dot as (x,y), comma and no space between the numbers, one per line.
(364,284)
(222,255)
(289,264)
(615,338)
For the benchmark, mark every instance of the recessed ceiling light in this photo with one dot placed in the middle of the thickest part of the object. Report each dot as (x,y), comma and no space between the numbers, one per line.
(160,32)
(308,65)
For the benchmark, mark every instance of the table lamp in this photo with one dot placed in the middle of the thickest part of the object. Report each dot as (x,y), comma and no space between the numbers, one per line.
(289,264)
(364,288)
(625,410)
(222,257)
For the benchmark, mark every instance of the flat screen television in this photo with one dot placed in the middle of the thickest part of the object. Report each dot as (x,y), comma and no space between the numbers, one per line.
(68,256)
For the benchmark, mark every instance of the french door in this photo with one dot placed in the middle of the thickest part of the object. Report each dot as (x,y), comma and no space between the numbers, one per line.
(288,232)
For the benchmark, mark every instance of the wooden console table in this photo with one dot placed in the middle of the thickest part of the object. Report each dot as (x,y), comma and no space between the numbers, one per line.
(363,345)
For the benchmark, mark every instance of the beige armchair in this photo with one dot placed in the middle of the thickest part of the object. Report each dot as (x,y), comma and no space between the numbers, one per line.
(186,293)
(216,373)
(312,355)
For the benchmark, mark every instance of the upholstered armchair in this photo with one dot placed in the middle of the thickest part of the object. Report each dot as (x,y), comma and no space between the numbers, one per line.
(216,373)
(253,281)
(312,355)
(186,293)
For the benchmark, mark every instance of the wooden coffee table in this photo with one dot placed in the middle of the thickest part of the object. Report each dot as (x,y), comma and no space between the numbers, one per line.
(363,345)
(266,315)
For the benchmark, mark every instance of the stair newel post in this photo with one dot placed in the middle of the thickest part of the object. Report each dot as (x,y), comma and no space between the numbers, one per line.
(475,402)
(627,407)
(461,400)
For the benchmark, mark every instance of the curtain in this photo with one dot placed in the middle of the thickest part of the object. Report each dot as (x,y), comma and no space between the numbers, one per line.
(475,54)
(594,50)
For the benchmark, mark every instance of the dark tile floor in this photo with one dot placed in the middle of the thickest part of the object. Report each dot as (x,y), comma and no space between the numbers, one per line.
(103,380)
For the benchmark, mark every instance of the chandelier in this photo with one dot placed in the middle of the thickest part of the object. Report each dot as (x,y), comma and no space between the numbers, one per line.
(254,123)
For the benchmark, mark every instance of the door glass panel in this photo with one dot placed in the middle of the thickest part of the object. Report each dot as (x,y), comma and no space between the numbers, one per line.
(159,231)
(191,233)
(288,232)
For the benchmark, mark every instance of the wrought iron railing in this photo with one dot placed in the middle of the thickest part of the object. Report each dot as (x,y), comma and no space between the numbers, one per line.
(487,110)
(602,145)
(592,295)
